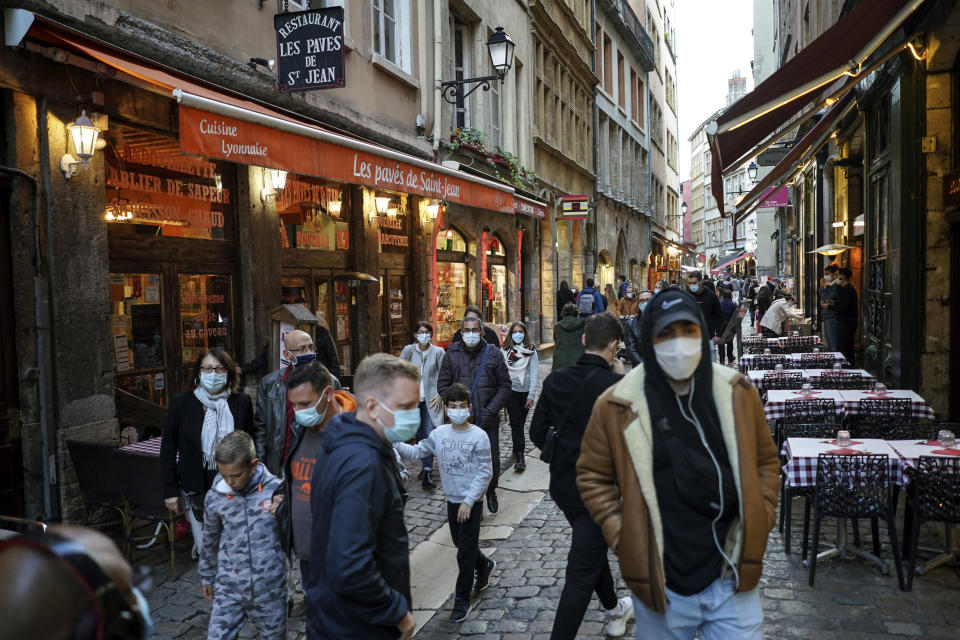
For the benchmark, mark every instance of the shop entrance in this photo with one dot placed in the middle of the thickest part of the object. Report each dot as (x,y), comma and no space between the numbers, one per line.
(453,284)
(495,302)
(329,299)
(395,304)
(605,271)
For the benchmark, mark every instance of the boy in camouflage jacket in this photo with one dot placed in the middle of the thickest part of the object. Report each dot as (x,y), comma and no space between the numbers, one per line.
(242,565)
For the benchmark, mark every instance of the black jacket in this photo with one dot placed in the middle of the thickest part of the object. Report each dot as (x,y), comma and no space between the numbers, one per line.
(359,584)
(181,435)
(327,351)
(489,336)
(631,338)
(845,310)
(563,297)
(493,389)
(710,308)
(560,389)
(765,298)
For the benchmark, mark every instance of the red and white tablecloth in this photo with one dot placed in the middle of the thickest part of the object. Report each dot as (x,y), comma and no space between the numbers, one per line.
(777,400)
(921,410)
(755,376)
(747,359)
(801,454)
(911,450)
(784,340)
(151,446)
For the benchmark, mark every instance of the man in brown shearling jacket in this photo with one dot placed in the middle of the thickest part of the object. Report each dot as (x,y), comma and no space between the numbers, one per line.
(678,468)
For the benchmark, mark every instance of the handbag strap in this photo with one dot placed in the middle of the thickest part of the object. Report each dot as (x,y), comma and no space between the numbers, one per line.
(576,399)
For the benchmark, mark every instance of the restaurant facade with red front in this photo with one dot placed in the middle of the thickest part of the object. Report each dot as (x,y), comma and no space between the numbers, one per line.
(199,214)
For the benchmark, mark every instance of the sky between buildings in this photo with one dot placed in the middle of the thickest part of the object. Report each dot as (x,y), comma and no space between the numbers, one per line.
(714,38)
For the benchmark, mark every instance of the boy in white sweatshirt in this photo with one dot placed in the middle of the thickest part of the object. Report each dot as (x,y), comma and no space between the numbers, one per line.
(462,452)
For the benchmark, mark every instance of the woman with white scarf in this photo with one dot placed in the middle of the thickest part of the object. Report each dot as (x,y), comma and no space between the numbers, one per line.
(523,363)
(196,422)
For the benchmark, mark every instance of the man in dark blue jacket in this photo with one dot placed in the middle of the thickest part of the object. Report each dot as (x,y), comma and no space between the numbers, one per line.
(359,583)
(590,301)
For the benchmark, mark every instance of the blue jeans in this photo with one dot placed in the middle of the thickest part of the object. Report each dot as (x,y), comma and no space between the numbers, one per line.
(717,612)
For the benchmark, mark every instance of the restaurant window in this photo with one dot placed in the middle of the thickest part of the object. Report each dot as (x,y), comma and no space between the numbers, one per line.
(452,283)
(390,27)
(136,323)
(293,290)
(461,70)
(395,305)
(206,318)
(311,215)
(333,296)
(150,183)
(495,300)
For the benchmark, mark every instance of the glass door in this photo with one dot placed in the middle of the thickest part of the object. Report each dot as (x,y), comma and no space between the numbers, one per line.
(205,319)
(136,325)
(396,312)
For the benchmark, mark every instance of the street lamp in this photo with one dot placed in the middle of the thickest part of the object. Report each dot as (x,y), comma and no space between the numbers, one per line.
(500,47)
(84,135)
(752,172)
(683,208)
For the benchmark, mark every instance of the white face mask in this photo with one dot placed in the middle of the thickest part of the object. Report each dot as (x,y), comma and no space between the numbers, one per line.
(458,416)
(679,357)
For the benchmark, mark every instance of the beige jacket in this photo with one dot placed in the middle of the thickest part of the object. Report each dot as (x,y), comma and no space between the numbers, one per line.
(615,477)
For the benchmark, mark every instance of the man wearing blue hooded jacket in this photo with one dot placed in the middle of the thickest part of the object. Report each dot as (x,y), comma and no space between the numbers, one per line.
(359,583)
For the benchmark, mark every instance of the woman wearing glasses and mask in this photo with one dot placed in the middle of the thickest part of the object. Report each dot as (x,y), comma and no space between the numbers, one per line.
(428,358)
(196,422)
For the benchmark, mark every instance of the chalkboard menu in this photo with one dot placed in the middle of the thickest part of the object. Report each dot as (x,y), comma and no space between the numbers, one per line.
(310,49)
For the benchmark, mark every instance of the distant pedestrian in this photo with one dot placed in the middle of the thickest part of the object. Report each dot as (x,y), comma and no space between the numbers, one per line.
(359,585)
(564,295)
(709,307)
(610,297)
(846,315)
(773,321)
(734,329)
(629,304)
(631,329)
(678,468)
(565,405)
(829,287)
(480,367)
(242,568)
(589,300)
(428,357)
(463,456)
(622,285)
(523,363)
(728,309)
(567,338)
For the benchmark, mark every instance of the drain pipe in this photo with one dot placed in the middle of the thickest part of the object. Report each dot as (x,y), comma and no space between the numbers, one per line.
(437,76)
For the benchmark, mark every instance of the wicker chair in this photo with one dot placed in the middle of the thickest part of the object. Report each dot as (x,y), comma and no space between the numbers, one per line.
(855,487)
(934,496)
(788,493)
(817,361)
(765,362)
(875,418)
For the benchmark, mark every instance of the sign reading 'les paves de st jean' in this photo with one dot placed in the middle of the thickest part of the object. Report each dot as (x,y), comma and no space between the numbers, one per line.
(310,49)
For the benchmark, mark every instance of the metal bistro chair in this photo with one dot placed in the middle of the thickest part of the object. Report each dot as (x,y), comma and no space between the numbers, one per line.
(778,381)
(788,493)
(934,495)
(876,417)
(799,344)
(849,380)
(93,464)
(755,345)
(855,487)
(819,411)
(817,361)
(764,362)
(919,430)
(139,477)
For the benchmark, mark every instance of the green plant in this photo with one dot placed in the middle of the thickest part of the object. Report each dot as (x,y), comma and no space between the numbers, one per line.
(470,138)
(512,171)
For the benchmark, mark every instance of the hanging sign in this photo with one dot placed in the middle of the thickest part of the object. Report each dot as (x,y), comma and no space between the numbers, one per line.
(310,49)
(576,207)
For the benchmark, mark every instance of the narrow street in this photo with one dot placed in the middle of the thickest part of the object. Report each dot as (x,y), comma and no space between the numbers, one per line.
(529,539)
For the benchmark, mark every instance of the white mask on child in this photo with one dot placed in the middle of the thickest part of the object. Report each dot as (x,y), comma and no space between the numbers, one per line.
(458,416)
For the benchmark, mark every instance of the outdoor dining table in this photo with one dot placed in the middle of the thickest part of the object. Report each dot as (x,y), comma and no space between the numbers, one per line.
(776,404)
(747,359)
(919,407)
(755,376)
(800,470)
(150,446)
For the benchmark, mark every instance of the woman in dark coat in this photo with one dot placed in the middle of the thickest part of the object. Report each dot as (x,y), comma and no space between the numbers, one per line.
(196,422)
(564,295)
(567,337)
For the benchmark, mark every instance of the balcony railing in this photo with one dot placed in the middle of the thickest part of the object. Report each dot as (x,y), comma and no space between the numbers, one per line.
(631,29)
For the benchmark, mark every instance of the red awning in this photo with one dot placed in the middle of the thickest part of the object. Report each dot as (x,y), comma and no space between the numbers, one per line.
(729,262)
(808,145)
(839,52)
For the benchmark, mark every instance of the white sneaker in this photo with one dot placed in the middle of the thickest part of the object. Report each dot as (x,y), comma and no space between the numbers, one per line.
(618,618)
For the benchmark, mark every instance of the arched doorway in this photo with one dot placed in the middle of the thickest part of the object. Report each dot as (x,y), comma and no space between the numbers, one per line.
(453,283)
(605,271)
(495,302)
(621,261)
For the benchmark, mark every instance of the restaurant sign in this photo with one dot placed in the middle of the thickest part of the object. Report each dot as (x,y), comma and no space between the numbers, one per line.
(310,49)
(214,136)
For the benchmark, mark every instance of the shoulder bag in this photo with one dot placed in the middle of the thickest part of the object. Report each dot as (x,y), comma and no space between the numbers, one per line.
(549,450)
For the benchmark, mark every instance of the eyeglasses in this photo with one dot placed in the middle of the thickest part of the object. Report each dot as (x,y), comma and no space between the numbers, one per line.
(213,369)
(303,349)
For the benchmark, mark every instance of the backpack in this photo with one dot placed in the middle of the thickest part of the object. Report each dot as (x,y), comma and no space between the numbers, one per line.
(585,303)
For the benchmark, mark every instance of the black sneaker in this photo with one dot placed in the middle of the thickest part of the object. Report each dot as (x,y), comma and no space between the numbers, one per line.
(460,610)
(520,465)
(483,576)
(492,504)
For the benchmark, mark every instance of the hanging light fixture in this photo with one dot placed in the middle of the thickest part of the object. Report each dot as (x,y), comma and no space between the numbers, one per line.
(432,209)
(279,179)
(500,46)
(334,202)
(84,135)
(383,202)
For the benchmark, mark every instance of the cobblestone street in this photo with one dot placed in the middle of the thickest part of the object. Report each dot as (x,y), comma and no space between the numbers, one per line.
(851,599)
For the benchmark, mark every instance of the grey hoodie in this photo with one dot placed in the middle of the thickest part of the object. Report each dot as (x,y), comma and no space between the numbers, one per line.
(242,553)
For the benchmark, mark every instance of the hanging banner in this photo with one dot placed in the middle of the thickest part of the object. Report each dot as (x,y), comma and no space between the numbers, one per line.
(215,136)
(775,198)
(576,207)
(310,49)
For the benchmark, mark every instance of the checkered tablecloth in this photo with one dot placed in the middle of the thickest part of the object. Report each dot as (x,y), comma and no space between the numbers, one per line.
(801,454)
(747,359)
(921,410)
(784,340)
(777,401)
(151,446)
(911,450)
(755,376)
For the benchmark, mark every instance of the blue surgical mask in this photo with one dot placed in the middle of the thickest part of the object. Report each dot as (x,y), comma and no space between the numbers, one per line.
(310,417)
(471,339)
(643,305)
(694,288)
(518,338)
(423,338)
(213,382)
(458,416)
(304,359)
(406,423)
